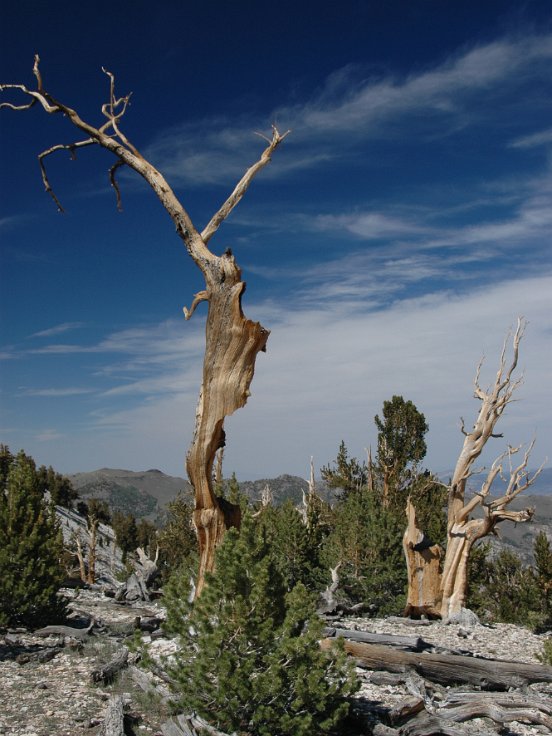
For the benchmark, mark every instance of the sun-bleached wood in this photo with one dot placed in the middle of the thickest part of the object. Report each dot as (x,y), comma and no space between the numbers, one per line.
(463,531)
(232,340)
(422,565)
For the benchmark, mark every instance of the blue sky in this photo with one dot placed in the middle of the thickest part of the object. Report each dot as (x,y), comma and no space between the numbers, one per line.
(397,234)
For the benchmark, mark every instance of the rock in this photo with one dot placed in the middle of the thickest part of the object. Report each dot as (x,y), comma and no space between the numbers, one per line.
(465,618)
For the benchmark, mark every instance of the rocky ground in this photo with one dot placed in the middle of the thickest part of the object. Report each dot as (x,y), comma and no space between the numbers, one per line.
(41,698)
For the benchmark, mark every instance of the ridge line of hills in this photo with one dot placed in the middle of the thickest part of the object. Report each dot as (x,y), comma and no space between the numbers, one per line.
(146,494)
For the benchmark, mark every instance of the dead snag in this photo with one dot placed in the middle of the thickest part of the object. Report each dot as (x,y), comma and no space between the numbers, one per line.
(232,340)
(462,530)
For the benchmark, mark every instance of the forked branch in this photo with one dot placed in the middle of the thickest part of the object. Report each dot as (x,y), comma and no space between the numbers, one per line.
(493,403)
(241,187)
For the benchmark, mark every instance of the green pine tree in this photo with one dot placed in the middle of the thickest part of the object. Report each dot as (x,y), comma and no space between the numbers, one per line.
(177,540)
(345,474)
(367,539)
(126,532)
(401,447)
(295,545)
(504,589)
(542,552)
(59,486)
(250,659)
(31,548)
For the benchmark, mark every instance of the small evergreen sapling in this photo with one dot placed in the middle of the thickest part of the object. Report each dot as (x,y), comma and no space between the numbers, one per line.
(250,659)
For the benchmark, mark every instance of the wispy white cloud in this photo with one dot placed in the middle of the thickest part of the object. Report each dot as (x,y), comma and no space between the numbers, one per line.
(58,329)
(64,349)
(158,344)
(352,107)
(330,366)
(541,138)
(48,435)
(55,392)
(370,225)
(10,221)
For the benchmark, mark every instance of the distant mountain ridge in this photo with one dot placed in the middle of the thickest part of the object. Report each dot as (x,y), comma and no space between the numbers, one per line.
(146,494)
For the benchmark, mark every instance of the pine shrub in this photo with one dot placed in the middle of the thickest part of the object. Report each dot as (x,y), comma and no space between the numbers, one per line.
(31,548)
(250,659)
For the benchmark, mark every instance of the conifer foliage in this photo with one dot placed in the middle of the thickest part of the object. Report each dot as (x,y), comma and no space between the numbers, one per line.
(250,659)
(31,546)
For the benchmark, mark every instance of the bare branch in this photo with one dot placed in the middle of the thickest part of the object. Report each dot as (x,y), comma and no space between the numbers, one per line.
(520,478)
(36,72)
(113,181)
(10,105)
(110,111)
(71,147)
(242,186)
(201,296)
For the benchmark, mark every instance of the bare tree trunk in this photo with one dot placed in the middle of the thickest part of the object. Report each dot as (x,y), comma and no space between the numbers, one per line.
(80,557)
(463,531)
(232,345)
(232,341)
(93,529)
(422,564)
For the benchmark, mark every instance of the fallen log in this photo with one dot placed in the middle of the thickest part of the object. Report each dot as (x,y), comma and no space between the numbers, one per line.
(42,655)
(107,672)
(145,682)
(425,724)
(113,724)
(65,631)
(498,707)
(404,710)
(409,621)
(188,725)
(394,640)
(487,674)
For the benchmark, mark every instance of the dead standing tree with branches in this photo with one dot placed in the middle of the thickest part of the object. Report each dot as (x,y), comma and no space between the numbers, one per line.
(232,340)
(444,593)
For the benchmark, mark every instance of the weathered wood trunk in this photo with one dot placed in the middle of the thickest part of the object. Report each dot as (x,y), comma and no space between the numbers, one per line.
(232,341)
(106,673)
(462,530)
(423,569)
(414,643)
(231,347)
(93,530)
(447,668)
(80,557)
